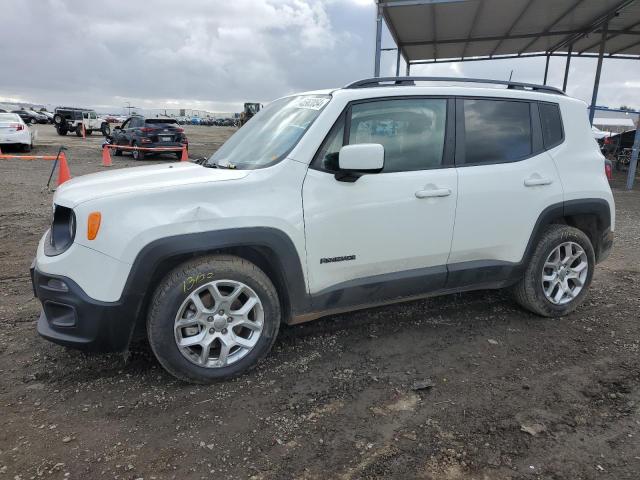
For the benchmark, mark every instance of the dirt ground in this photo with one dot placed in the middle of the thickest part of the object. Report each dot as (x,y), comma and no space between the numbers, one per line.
(513,396)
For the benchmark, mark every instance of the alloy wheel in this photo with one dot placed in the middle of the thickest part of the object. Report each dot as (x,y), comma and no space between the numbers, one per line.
(564,273)
(219,323)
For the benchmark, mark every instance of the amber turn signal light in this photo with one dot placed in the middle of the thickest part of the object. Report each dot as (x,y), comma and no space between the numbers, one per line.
(93,225)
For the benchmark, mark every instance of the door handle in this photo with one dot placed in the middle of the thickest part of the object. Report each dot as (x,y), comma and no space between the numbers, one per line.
(433,192)
(537,180)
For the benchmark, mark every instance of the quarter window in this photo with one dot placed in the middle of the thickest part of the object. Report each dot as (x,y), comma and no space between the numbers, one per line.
(551,121)
(412,132)
(496,131)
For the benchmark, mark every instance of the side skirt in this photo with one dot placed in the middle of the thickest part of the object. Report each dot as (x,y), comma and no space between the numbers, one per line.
(408,286)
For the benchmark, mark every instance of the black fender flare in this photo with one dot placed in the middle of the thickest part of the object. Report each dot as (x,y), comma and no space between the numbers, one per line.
(149,261)
(587,206)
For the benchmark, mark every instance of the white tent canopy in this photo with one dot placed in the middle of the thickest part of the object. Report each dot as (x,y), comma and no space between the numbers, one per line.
(614,122)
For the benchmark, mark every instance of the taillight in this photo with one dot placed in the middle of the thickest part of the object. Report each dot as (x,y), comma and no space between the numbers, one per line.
(147,129)
(17,126)
(179,130)
(607,140)
(607,170)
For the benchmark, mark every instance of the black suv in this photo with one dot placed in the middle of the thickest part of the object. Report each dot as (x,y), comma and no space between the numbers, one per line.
(138,131)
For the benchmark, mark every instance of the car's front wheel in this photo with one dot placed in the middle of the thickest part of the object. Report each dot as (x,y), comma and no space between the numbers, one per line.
(213,318)
(559,272)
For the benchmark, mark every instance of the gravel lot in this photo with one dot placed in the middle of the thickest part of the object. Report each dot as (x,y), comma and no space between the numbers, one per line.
(465,386)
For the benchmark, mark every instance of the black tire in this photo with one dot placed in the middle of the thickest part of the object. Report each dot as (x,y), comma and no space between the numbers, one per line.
(79,130)
(62,130)
(33,121)
(58,119)
(137,154)
(105,129)
(89,132)
(170,294)
(26,148)
(529,293)
(117,153)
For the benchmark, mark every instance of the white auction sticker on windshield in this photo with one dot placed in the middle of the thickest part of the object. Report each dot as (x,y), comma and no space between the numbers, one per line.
(312,103)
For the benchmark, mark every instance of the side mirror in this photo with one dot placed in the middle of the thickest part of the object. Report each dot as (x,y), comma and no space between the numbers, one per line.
(356,160)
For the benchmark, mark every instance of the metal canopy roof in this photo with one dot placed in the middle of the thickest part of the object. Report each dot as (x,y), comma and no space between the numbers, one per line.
(445,30)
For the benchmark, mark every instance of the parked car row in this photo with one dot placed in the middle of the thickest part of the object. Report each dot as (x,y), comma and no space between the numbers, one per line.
(218,122)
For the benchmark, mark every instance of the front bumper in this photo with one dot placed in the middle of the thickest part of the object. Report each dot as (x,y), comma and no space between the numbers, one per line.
(71,318)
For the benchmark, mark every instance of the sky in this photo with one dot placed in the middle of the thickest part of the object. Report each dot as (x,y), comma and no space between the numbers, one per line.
(216,54)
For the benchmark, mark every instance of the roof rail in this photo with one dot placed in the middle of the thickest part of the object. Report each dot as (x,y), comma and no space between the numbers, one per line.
(400,81)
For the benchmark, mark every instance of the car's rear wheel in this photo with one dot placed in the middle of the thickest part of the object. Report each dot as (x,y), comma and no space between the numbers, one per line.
(105,129)
(89,132)
(62,129)
(213,318)
(26,147)
(559,273)
(137,154)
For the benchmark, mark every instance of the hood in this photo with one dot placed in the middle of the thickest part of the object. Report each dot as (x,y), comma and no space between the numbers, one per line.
(139,179)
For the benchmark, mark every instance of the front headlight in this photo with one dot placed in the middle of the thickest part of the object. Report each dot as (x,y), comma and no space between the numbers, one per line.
(62,232)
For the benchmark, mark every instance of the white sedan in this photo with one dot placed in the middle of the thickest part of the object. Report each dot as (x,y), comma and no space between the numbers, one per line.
(13,131)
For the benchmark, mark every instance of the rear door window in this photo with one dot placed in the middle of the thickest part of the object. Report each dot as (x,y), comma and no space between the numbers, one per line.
(551,121)
(496,131)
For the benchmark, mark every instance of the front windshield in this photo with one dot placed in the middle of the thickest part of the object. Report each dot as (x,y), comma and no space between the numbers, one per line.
(269,136)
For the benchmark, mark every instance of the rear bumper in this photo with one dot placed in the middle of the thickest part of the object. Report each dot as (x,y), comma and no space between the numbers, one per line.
(22,137)
(177,145)
(71,318)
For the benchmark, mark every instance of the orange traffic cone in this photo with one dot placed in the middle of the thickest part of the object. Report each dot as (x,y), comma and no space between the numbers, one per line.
(185,155)
(63,169)
(106,157)
(84,131)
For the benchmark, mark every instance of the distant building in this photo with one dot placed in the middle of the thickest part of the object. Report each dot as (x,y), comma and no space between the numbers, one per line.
(616,122)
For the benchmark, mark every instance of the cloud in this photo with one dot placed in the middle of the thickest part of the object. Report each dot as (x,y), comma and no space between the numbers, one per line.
(217,55)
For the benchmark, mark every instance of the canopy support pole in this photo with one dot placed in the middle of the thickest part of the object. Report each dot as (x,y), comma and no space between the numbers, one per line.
(376,66)
(596,83)
(566,69)
(408,71)
(398,63)
(631,176)
(546,70)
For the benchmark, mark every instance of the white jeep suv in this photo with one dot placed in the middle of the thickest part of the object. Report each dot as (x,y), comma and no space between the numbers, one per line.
(330,201)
